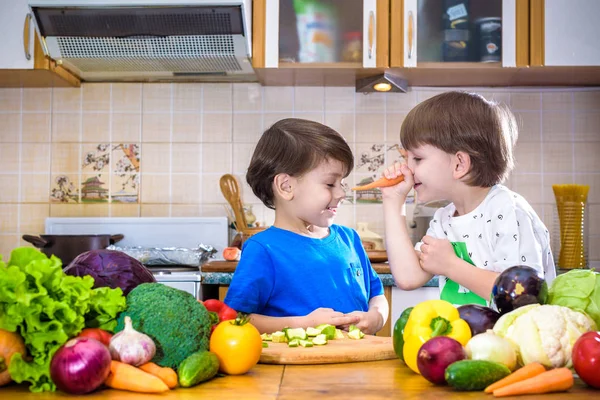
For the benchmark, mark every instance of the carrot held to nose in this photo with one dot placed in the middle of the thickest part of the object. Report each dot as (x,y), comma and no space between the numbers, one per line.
(381,182)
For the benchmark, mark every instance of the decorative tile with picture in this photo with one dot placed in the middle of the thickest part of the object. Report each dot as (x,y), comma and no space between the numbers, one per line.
(64,189)
(125,185)
(94,188)
(96,158)
(125,188)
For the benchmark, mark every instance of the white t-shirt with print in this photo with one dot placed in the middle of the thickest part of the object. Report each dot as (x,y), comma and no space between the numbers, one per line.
(503,231)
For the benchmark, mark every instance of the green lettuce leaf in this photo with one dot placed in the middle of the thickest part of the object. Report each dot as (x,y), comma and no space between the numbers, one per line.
(47,307)
(578,289)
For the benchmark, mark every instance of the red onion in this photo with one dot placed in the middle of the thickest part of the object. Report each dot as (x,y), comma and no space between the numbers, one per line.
(80,366)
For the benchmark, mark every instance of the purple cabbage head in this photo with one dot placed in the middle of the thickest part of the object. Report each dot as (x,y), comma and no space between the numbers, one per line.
(110,268)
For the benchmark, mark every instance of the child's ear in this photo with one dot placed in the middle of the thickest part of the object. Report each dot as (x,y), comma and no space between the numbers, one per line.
(462,165)
(282,186)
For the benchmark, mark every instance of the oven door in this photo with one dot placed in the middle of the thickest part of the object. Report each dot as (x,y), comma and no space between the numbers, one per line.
(188,282)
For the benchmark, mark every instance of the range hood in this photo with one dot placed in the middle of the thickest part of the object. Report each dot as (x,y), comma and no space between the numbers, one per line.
(148,40)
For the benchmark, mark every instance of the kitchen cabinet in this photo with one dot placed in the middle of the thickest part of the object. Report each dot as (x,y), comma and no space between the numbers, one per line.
(565,33)
(459,33)
(23,62)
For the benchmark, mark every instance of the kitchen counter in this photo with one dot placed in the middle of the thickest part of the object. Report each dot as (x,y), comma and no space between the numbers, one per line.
(367,381)
(221,272)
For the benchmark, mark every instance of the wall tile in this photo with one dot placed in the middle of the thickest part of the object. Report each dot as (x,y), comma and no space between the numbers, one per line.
(247,128)
(11,128)
(211,192)
(247,97)
(36,127)
(557,126)
(155,210)
(35,188)
(187,97)
(554,179)
(587,100)
(562,101)
(95,127)
(278,98)
(343,123)
(9,158)
(393,124)
(369,102)
(530,125)
(216,158)
(587,126)
(10,188)
(593,180)
(525,101)
(66,100)
(185,189)
(270,118)
(96,97)
(156,127)
(35,158)
(127,97)
(156,188)
(186,158)
(528,157)
(156,97)
(9,218)
(217,128)
(309,99)
(65,158)
(217,97)
(187,127)
(311,116)
(66,127)
(339,99)
(186,210)
(586,156)
(126,127)
(10,100)
(400,102)
(370,128)
(528,186)
(37,100)
(156,158)
(124,210)
(558,157)
(7,243)
(242,153)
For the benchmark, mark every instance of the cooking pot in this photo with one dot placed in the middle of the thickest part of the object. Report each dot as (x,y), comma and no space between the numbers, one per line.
(67,247)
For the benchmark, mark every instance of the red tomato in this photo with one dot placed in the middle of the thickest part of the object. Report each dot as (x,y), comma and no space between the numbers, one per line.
(586,358)
(96,333)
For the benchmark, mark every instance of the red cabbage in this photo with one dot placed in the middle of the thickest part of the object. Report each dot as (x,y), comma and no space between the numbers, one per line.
(110,268)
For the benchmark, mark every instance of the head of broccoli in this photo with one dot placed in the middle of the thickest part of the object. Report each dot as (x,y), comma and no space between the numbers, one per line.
(178,324)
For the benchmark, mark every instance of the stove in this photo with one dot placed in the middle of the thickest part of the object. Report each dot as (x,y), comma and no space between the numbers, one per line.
(156,233)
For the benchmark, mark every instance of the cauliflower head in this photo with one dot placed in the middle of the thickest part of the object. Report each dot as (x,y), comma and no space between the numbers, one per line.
(544,333)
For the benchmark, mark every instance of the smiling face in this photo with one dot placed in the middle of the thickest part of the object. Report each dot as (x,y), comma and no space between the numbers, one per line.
(432,169)
(318,194)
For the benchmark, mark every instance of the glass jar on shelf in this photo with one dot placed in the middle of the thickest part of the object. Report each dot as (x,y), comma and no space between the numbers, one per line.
(352,50)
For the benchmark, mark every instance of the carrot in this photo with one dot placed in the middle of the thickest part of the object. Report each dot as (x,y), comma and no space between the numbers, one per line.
(127,377)
(555,380)
(526,372)
(381,182)
(167,375)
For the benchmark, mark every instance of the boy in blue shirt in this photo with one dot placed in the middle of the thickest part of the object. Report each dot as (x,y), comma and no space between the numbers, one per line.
(305,270)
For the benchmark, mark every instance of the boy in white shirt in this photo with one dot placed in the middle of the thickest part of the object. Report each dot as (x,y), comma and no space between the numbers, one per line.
(460,148)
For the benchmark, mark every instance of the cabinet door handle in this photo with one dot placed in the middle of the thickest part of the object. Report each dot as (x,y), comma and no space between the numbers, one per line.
(371,32)
(26,28)
(411,33)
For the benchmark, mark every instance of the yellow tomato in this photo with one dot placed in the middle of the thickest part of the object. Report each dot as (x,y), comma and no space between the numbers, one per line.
(237,344)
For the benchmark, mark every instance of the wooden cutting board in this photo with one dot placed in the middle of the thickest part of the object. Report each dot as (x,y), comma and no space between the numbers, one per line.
(369,348)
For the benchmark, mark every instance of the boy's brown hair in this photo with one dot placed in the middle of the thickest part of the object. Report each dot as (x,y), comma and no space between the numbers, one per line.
(460,121)
(294,146)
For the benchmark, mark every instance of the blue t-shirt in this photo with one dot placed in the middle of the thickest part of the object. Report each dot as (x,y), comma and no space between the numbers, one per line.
(282,274)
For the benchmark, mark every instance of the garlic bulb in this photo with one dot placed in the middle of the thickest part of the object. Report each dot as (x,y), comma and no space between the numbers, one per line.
(130,346)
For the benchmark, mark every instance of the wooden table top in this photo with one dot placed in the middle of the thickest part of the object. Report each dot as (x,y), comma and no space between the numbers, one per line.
(229,266)
(367,380)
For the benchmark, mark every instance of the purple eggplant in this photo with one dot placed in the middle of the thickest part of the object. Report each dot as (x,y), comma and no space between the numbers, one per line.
(518,286)
(479,318)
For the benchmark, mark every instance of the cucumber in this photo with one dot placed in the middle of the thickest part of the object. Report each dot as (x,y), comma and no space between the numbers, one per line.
(474,374)
(198,367)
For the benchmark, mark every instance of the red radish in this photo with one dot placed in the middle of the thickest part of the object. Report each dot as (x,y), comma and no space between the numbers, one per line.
(232,253)
(80,366)
(435,355)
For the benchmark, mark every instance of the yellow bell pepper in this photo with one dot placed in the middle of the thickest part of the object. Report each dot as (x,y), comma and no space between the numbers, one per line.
(429,319)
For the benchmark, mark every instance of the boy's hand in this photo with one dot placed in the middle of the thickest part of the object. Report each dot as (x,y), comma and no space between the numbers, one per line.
(403,188)
(331,317)
(435,255)
(369,322)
